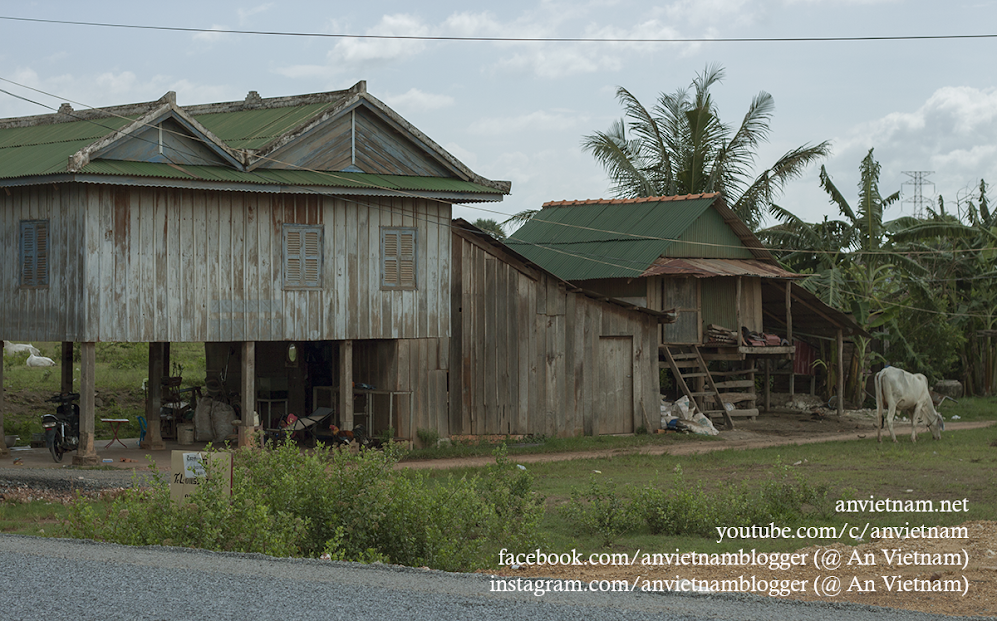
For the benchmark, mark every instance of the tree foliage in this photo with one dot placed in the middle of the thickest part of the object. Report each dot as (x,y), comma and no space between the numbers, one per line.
(680,146)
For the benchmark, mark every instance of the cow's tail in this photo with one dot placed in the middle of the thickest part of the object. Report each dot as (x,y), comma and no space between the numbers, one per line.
(878,383)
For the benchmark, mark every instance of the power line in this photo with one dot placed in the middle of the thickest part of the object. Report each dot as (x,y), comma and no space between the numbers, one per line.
(327,35)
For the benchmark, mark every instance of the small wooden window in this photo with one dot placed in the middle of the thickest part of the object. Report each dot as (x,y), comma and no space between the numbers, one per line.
(302,256)
(34,253)
(398,258)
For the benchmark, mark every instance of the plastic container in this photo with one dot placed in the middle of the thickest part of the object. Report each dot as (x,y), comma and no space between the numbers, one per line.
(185,434)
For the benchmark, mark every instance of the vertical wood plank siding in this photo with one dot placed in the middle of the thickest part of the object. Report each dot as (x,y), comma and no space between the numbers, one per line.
(55,312)
(166,265)
(526,357)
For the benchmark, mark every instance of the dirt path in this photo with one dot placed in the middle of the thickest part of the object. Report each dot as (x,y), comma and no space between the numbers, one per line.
(781,430)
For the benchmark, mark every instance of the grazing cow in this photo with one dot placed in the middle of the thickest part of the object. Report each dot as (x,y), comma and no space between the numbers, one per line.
(899,390)
(17,348)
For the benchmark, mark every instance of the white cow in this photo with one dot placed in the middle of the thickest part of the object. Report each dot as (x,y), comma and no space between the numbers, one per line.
(900,390)
(39,361)
(16,348)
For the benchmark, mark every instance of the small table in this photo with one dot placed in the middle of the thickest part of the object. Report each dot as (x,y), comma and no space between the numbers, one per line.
(115,423)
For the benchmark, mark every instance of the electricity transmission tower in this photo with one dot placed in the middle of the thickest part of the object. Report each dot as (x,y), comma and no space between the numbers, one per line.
(918,180)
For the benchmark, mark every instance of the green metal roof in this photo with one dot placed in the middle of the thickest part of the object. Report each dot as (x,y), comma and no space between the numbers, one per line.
(607,239)
(303,178)
(41,147)
(252,129)
(45,149)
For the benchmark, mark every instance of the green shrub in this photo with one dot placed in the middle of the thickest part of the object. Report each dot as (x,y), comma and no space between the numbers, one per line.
(350,506)
(428,438)
(601,511)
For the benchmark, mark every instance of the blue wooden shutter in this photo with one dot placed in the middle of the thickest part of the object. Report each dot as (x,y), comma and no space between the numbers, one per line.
(398,258)
(302,256)
(34,253)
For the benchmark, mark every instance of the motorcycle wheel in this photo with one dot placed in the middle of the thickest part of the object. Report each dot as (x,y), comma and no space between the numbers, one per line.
(56,448)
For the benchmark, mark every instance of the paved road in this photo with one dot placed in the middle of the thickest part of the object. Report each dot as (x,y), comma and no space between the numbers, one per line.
(49,579)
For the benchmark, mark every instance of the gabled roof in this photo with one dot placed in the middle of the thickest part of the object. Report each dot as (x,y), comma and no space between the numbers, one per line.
(341,139)
(581,240)
(468,231)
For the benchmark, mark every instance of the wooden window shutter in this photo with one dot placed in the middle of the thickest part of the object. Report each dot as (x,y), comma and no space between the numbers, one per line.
(302,256)
(398,251)
(34,253)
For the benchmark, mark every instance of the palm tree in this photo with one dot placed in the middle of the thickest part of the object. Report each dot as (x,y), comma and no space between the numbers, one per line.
(680,146)
(491,227)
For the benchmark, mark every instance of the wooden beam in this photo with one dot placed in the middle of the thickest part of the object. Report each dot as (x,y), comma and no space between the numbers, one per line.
(789,312)
(3,446)
(67,367)
(344,406)
(154,400)
(86,454)
(841,373)
(248,388)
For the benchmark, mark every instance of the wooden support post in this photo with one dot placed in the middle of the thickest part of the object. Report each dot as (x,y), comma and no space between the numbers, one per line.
(86,454)
(344,406)
(768,388)
(4,451)
(248,390)
(154,400)
(841,372)
(166,360)
(67,367)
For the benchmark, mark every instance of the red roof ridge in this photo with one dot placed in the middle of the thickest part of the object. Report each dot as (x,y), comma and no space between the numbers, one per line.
(626,201)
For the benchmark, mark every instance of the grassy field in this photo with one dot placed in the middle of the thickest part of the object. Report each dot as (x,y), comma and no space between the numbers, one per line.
(122,369)
(963,465)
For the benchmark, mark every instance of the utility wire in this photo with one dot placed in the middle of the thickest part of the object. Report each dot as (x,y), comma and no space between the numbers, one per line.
(547,246)
(327,35)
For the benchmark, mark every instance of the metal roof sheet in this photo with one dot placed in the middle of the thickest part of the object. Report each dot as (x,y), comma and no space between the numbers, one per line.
(708,268)
(580,240)
(252,129)
(392,183)
(45,149)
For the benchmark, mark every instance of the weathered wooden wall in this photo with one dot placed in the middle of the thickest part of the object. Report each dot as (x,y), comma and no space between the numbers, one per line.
(57,312)
(154,264)
(529,357)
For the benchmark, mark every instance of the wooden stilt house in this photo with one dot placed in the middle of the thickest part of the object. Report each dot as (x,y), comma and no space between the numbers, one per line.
(693,256)
(306,240)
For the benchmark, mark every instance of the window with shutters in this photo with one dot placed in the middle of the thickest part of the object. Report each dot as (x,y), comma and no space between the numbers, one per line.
(34,253)
(398,258)
(302,256)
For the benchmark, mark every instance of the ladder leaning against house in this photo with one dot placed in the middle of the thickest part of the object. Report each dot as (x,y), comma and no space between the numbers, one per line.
(687,363)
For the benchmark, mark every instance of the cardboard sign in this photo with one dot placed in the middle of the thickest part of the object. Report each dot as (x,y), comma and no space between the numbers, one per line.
(188,469)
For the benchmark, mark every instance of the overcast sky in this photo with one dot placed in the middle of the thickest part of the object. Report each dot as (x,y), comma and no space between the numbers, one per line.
(517,111)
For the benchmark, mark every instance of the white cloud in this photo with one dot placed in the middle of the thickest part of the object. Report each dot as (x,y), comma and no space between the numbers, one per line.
(215,34)
(358,52)
(540,120)
(245,14)
(415,99)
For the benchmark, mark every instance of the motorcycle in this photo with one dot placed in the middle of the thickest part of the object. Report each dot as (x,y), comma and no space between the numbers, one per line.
(62,429)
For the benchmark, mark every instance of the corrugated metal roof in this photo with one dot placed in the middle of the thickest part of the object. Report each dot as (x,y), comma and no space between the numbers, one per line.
(252,129)
(580,240)
(708,268)
(305,178)
(45,149)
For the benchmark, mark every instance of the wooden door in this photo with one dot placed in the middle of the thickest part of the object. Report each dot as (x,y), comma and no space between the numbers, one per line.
(615,402)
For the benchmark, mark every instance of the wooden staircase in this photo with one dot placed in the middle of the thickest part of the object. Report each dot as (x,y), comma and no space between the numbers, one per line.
(687,364)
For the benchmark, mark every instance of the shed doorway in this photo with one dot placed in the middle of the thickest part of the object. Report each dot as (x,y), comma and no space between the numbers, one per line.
(616,385)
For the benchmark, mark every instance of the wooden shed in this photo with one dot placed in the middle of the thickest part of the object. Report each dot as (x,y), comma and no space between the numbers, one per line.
(320,221)
(690,255)
(534,355)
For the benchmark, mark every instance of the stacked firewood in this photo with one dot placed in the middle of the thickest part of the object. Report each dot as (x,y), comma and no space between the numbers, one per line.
(720,334)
